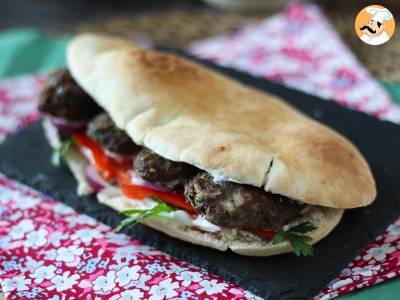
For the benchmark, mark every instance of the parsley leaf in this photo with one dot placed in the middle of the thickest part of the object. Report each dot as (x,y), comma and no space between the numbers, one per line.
(65,144)
(141,214)
(297,238)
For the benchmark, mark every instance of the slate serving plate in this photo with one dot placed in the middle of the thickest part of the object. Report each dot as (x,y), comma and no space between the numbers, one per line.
(25,156)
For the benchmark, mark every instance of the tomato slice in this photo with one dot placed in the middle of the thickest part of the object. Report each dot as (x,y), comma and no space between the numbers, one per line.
(266,234)
(110,169)
(174,198)
(107,166)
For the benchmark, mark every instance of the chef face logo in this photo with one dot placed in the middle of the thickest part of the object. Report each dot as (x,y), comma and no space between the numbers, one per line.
(374,25)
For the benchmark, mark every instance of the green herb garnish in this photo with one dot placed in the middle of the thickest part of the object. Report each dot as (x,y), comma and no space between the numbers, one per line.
(65,144)
(141,214)
(297,238)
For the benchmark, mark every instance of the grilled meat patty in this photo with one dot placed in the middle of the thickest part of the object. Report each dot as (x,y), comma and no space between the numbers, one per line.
(154,168)
(239,205)
(63,97)
(103,130)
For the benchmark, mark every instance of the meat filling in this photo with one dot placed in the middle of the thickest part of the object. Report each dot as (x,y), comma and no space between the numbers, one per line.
(239,205)
(103,130)
(156,169)
(62,97)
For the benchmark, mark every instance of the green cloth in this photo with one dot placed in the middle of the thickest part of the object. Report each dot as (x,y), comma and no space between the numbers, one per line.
(25,51)
(393,89)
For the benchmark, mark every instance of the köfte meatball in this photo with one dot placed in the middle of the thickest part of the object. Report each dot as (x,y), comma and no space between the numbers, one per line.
(63,97)
(154,168)
(103,130)
(239,205)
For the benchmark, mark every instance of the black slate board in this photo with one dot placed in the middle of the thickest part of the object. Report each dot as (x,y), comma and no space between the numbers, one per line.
(26,157)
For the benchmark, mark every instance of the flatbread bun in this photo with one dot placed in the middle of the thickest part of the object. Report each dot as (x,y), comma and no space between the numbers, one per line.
(186,112)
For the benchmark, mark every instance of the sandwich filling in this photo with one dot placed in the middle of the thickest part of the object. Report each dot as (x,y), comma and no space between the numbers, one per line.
(139,172)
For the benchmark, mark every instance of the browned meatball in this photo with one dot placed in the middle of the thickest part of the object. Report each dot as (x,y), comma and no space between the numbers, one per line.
(159,170)
(103,130)
(63,97)
(239,205)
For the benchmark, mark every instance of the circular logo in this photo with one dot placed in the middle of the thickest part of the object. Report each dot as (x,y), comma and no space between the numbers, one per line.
(374,25)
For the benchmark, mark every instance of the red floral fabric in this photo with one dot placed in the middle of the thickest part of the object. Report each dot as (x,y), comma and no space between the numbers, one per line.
(49,251)
(18,103)
(300,49)
(378,262)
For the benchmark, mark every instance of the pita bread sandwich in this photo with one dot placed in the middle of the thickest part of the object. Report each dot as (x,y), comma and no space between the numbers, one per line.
(197,155)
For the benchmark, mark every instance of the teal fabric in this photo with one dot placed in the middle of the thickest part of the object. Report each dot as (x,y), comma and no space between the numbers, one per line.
(24,51)
(394,91)
(389,290)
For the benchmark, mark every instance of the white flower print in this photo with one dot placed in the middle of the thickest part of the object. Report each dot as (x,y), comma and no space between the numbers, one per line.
(129,295)
(62,209)
(3,209)
(128,253)
(5,242)
(26,202)
(251,296)
(56,238)
(15,216)
(36,239)
(390,238)
(86,235)
(63,282)
(42,273)
(32,264)
(81,219)
(366,270)
(211,287)
(104,283)
(141,282)
(18,283)
(188,277)
(345,272)
(164,290)
(8,195)
(394,229)
(235,291)
(177,269)
(50,254)
(117,238)
(379,253)
(127,274)
(18,231)
(68,254)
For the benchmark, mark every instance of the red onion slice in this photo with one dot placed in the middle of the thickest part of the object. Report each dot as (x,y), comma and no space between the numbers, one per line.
(135,179)
(67,126)
(118,157)
(94,179)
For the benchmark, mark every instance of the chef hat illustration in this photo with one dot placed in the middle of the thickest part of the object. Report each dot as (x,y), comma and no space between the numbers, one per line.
(379,14)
